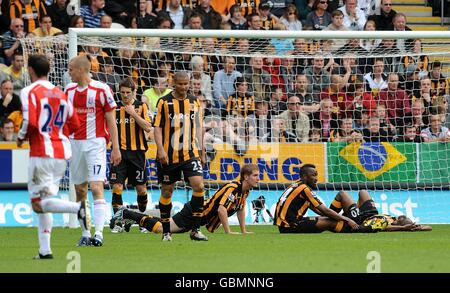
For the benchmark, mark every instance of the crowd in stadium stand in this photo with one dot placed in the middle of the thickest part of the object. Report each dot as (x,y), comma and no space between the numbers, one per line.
(334,94)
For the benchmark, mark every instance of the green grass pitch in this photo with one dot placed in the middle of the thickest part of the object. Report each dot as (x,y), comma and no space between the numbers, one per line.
(265,251)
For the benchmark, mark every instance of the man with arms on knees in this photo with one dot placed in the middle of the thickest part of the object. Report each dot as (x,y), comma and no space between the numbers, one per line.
(48,117)
(365,213)
(295,201)
(95,106)
(179,139)
(132,123)
(228,200)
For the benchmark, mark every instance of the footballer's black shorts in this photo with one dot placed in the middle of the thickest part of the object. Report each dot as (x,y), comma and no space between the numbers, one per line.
(184,218)
(366,210)
(304,225)
(169,174)
(131,167)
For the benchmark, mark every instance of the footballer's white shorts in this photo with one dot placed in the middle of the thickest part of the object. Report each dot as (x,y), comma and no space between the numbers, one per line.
(88,161)
(44,175)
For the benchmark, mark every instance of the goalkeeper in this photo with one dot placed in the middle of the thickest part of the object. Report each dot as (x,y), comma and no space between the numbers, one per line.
(225,202)
(366,214)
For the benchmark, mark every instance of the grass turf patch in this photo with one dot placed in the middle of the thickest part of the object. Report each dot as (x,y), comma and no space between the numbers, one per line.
(264,251)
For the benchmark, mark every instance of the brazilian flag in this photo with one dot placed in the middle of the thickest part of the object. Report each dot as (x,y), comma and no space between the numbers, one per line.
(371,161)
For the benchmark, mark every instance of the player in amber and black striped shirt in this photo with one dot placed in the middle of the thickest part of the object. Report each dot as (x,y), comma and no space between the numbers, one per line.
(225,202)
(179,140)
(132,121)
(295,201)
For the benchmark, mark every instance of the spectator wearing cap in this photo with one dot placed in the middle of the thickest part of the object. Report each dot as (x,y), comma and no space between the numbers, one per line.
(279,6)
(319,18)
(383,20)
(268,20)
(411,80)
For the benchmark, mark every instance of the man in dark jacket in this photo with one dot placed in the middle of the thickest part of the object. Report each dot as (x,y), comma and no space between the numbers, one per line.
(383,20)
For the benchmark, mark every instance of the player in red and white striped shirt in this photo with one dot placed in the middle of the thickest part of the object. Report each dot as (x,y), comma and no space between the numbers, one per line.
(48,118)
(94,103)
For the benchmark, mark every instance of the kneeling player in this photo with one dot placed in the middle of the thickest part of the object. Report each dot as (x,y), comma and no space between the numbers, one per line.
(225,202)
(365,213)
(295,201)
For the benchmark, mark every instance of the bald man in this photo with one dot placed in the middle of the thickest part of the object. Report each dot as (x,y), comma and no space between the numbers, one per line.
(179,139)
(95,105)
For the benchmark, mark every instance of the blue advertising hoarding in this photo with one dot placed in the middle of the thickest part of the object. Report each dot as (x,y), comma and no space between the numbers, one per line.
(422,206)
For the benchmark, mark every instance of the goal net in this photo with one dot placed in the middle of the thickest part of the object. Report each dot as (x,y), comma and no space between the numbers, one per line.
(369,109)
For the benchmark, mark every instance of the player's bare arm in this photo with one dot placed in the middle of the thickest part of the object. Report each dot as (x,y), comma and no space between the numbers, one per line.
(241,218)
(110,117)
(223,216)
(161,154)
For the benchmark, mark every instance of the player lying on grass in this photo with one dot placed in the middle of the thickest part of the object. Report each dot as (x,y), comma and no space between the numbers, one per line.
(225,202)
(365,213)
(298,198)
